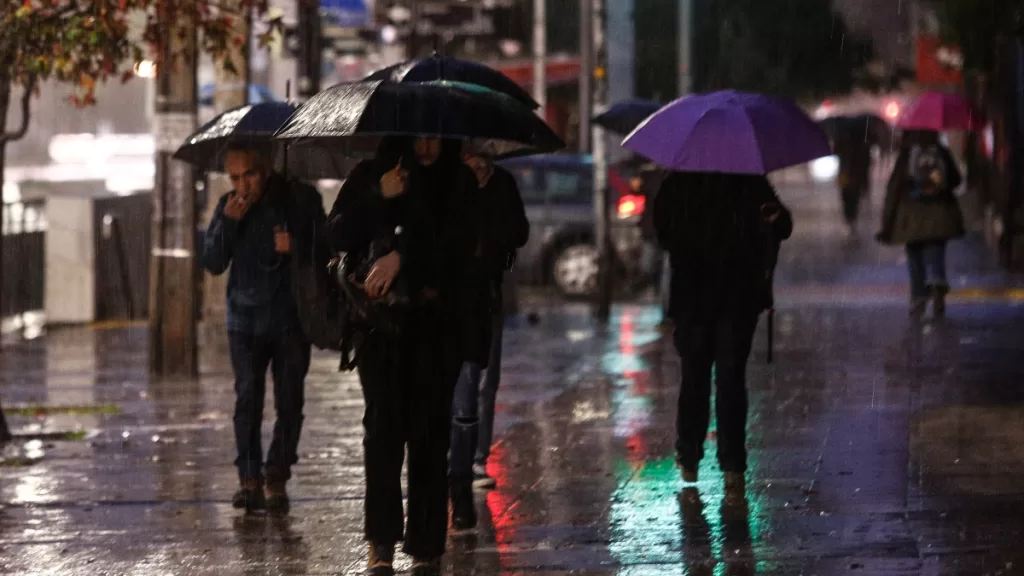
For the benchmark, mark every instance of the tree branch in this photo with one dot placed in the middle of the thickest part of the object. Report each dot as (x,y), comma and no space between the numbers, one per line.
(26,100)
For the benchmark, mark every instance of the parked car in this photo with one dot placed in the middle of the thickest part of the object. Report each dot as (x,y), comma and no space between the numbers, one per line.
(558,191)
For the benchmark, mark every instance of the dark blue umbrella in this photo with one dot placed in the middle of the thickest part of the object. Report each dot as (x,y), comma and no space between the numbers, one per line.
(452,69)
(866,128)
(252,123)
(350,119)
(626,115)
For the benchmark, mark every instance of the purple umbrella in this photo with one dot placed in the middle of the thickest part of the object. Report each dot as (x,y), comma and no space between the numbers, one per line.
(731,132)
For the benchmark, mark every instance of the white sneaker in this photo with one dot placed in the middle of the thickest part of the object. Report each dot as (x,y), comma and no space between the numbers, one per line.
(481,480)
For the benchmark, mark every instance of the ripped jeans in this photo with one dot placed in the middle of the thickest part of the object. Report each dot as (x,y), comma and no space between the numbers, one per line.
(473,408)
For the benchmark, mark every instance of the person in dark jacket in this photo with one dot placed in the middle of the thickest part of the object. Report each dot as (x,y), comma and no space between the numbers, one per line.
(721,232)
(854,154)
(419,197)
(252,231)
(503,228)
(923,216)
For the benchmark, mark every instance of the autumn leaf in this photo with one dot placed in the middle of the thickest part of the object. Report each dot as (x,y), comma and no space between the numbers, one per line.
(85,43)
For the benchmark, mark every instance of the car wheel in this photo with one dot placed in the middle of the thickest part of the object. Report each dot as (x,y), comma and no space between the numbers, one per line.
(574,270)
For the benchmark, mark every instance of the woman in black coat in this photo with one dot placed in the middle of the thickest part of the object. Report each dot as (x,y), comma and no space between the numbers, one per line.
(416,198)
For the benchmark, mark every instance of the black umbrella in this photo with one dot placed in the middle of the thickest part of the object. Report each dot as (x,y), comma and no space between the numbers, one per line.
(454,70)
(349,120)
(624,116)
(867,128)
(255,123)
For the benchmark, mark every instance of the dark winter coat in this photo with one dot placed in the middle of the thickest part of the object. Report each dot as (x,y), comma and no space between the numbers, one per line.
(259,296)
(503,224)
(722,251)
(906,220)
(432,226)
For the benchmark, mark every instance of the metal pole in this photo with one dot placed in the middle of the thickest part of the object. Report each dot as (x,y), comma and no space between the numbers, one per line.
(311,53)
(172,310)
(685,81)
(413,42)
(599,144)
(685,47)
(540,52)
(586,105)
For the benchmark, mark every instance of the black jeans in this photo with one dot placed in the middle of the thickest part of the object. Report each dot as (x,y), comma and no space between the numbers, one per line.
(407,382)
(287,355)
(851,196)
(724,343)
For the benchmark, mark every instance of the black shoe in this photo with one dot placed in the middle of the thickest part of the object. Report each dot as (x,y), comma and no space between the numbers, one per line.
(250,495)
(276,497)
(939,300)
(430,567)
(463,507)
(918,306)
(481,480)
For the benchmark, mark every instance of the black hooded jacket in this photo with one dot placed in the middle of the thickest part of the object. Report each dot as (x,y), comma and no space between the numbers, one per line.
(432,225)
(722,250)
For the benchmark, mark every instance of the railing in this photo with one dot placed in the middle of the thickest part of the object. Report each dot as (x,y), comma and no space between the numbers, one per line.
(23,257)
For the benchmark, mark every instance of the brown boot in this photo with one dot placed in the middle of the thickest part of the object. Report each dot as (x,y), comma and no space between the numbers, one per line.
(379,560)
(249,495)
(277,496)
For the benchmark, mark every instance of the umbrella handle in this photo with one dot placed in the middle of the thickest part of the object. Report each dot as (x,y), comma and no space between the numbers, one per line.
(771,334)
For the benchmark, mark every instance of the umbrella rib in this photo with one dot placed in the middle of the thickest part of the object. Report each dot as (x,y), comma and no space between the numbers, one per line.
(757,141)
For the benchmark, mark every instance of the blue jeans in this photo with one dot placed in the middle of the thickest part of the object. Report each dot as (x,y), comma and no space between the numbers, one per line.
(473,407)
(287,356)
(927,264)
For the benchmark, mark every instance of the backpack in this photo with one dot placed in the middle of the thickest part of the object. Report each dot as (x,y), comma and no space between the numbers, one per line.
(928,171)
(323,310)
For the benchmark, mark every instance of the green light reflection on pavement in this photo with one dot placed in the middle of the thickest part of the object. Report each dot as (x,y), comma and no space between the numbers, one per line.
(657,526)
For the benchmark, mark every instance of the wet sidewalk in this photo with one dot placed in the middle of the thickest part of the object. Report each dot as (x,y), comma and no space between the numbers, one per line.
(877,445)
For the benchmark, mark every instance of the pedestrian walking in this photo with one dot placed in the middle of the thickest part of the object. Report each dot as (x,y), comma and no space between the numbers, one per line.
(922,213)
(853,139)
(416,198)
(251,230)
(503,229)
(721,232)
(854,154)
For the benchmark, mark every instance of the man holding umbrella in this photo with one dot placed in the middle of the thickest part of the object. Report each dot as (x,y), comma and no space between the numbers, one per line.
(265,230)
(721,223)
(256,228)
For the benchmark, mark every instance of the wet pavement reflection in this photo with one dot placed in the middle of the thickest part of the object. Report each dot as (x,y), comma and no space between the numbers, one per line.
(877,445)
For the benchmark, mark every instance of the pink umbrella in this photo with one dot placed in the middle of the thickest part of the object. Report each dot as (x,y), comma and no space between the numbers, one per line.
(939,111)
